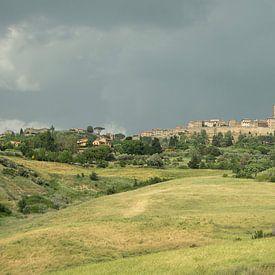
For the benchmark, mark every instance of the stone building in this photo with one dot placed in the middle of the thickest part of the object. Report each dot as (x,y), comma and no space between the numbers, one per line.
(161,133)
(213,126)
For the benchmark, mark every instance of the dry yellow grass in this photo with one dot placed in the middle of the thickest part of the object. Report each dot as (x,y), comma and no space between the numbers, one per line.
(46,168)
(200,211)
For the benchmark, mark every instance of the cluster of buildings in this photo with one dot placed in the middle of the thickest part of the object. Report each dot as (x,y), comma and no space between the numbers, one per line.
(213,126)
(160,133)
(82,141)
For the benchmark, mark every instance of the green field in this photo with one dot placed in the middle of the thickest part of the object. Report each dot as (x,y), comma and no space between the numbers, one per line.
(198,222)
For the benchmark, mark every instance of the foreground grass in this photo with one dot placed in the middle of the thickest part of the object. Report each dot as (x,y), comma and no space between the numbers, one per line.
(246,257)
(197,219)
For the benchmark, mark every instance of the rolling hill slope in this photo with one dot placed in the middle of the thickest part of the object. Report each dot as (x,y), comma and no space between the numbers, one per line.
(206,218)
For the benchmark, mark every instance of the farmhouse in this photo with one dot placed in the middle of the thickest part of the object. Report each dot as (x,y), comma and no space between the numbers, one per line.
(15,143)
(102,141)
(82,142)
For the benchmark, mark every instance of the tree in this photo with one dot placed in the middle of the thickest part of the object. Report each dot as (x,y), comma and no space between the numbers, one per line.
(132,147)
(202,137)
(195,161)
(119,136)
(21,132)
(90,129)
(173,141)
(101,152)
(156,147)
(66,141)
(272,157)
(52,130)
(39,154)
(228,139)
(98,130)
(217,140)
(45,140)
(65,156)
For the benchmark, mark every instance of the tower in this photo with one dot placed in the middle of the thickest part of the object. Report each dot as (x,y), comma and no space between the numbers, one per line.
(273,111)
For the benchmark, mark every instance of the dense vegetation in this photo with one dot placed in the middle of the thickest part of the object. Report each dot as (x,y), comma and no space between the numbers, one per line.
(246,157)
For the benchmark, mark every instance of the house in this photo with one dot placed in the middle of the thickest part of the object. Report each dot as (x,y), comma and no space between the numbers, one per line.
(271,123)
(247,123)
(82,142)
(102,141)
(33,131)
(15,143)
(263,123)
(214,123)
(194,124)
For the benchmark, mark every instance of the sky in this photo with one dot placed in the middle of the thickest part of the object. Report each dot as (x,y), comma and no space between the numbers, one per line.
(133,65)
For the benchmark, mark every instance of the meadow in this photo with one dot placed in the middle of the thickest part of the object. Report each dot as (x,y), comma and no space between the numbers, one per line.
(197,222)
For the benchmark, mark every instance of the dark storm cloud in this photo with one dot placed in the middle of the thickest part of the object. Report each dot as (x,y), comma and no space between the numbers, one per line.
(107,13)
(136,64)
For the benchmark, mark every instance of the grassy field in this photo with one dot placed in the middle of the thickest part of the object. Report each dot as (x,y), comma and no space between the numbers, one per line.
(198,222)
(246,257)
(62,169)
(69,184)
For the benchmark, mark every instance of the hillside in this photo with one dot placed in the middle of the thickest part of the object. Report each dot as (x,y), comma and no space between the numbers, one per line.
(64,184)
(193,220)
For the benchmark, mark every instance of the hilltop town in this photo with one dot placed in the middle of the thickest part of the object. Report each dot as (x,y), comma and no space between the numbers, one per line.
(210,126)
(214,126)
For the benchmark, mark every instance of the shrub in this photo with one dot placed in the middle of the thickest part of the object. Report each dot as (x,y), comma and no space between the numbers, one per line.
(122,163)
(155,161)
(40,181)
(65,156)
(154,180)
(23,172)
(111,190)
(102,164)
(125,157)
(98,153)
(4,210)
(195,161)
(183,166)
(34,204)
(258,234)
(94,176)
(202,165)
(268,175)
(9,172)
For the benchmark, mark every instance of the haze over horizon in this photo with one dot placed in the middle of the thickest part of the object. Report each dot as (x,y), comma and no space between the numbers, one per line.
(134,65)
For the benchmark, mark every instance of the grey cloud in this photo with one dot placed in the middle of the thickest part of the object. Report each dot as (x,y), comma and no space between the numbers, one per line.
(107,13)
(139,64)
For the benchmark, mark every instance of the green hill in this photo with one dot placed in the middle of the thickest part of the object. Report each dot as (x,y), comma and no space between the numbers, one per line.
(186,224)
